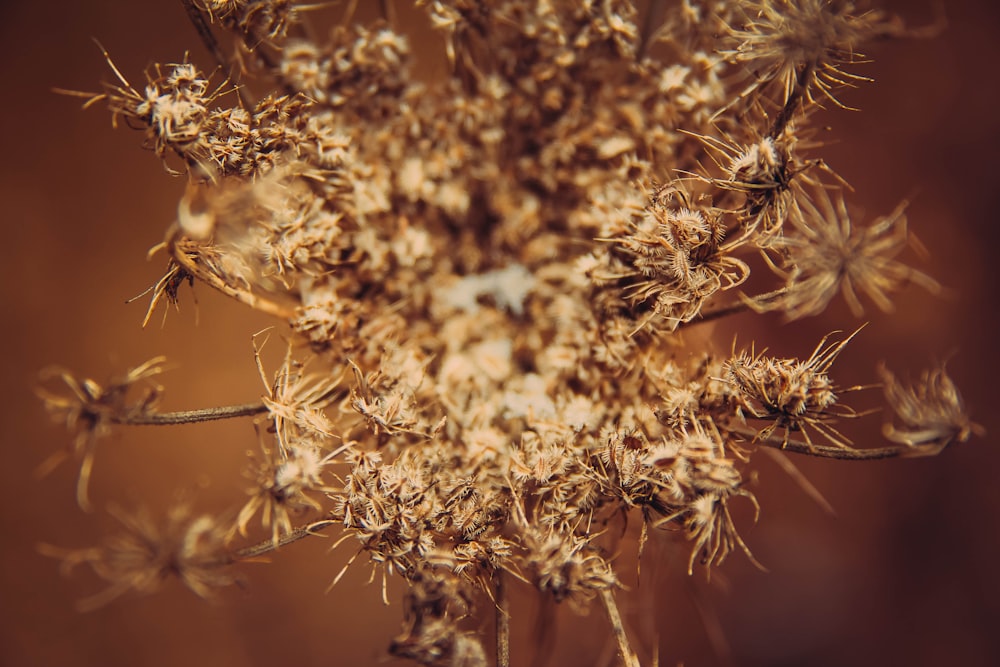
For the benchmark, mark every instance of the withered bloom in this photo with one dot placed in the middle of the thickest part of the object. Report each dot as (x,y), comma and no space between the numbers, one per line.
(489,276)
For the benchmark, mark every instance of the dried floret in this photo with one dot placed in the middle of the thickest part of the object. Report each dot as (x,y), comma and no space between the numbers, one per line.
(797,395)
(827,254)
(928,415)
(284,481)
(186,546)
(89,409)
(295,401)
(803,47)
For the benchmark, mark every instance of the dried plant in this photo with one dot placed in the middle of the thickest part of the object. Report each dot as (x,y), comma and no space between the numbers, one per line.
(488,275)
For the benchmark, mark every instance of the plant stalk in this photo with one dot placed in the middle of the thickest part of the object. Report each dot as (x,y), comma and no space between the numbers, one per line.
(629,658)
(267,546)
(503,619)
(823,451)
(190,416)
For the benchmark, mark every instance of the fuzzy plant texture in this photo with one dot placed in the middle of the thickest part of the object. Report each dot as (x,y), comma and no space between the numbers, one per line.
(490,284)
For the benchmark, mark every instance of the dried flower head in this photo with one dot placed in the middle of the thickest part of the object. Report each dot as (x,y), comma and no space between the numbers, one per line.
(488,280)
(802,46)
(189,547)
(699,483)
(88,409)
(283,483)
(828,254)
(797,395)
(669,261)
(928,415)
(295,402)
(433,607)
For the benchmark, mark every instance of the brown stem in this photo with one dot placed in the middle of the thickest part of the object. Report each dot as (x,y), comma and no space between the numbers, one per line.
(388,12)
(267,546)
(629,659)
(823,451)
(742,306)
(189,416)
(201,26)
(503,620)
(787,111)
(651,24)
(719,312)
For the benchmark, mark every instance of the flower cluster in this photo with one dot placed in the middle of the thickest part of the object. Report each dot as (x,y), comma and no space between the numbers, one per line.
(487,276)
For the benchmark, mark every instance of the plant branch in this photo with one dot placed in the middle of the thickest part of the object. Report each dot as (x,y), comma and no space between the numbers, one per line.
(201,26)
(189,416)
(786,113)
(655,14)
(267,546)
(629,658)
(823,451)
(503,619)
(720,312)
(741,306)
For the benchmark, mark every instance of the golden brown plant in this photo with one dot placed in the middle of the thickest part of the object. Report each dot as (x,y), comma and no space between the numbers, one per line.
(488,275)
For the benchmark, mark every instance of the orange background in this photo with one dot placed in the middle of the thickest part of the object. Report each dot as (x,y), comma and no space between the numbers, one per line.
(904,574)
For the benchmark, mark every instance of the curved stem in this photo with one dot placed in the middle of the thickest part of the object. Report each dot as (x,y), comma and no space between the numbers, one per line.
(189,416)
(388,12)
(201,26)
(188,261)
(655,14)
(720,312)
(823,451)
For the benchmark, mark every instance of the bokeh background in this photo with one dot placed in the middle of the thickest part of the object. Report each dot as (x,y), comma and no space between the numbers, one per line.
(905,573)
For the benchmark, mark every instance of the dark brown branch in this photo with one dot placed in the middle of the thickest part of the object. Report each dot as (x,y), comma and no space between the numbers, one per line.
(388,12)
(204,32)
(651,24)
(719,312)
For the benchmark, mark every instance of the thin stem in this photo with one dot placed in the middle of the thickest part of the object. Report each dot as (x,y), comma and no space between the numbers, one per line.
(352,6)
(204,32)
(823,451)
(190,416)
(201,26)
(651,24)
(786,113)
(388,11)
(267,546)
(629,659)
(742,306)
(503,620)
(720,312)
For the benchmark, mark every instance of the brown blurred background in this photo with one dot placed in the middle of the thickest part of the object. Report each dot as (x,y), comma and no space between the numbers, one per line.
(904,574)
